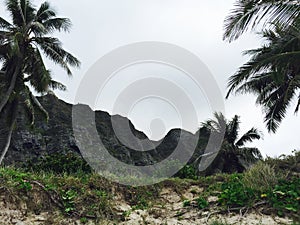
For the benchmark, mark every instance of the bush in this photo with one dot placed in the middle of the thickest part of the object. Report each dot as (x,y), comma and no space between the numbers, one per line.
(260,177)
(234,193)
(59,163)
(286,164)
(187,172)
(202,203)
(285,197)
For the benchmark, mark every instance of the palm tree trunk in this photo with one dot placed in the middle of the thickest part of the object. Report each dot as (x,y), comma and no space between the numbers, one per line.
(8,140)
(10,131)
(10,89)
(7,143)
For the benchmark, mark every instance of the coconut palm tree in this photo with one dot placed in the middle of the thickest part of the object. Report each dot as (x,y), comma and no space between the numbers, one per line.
(272,73)
(251,13)
(233,155)
(22,43)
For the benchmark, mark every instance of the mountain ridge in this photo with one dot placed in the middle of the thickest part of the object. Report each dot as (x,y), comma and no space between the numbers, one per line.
(29,144)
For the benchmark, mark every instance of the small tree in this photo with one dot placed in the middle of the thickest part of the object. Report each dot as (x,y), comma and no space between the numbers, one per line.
(233,155)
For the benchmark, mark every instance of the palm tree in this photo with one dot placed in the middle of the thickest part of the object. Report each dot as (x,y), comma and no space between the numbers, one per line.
(233,155)
(250,13)
(272,73)
(22,43)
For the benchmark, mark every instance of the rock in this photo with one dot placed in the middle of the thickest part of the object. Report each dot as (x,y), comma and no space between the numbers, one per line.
(40,218)
(18,222)
(212,199)
(122,207)
(57,136)
(170,196)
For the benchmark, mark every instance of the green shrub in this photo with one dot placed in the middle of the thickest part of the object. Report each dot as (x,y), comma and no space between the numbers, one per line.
(186,203)
(260,177)
(60,163)
(68,197)
(285,197)
(286,164)
(202,203)
(234,193)
(141,204)
(187,172)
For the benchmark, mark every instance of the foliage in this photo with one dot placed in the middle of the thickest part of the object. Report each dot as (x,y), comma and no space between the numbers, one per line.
(261,177)
(89,195)
(68,197)
(285,197)
(202,202)
(187,172)
(60,163)
(186,203)
(23,41)
(288,164)
(234,193)
(251,13)
(272,74)
(141,199)
(19,179)
(233,155)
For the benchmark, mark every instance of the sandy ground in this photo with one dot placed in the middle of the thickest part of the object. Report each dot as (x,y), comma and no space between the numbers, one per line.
(170,212)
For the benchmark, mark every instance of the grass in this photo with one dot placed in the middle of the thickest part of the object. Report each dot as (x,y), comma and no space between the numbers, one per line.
(89,196)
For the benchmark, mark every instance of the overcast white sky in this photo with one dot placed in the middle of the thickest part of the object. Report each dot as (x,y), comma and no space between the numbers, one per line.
(197,25)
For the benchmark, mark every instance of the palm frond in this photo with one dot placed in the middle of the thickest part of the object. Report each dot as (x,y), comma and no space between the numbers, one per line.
(298,104)
(53,50)
(37,28)
(249,136)
(233,130)
(29,108)
(272,73)
(45,12)
(58,24)
(13,7)
(39,107)
(239,19)
(275,106)
(4,23)
(56,85)
(28,11)
(249,154)
(248,14)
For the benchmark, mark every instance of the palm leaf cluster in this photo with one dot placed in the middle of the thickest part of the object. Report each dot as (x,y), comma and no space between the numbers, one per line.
(273,71)
(252,13)
(23,42)
(233,155)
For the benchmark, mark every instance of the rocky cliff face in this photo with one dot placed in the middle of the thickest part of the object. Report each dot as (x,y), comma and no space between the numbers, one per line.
(57,136)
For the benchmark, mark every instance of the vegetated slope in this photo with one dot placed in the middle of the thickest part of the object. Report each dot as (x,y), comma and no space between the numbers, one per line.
(44,198)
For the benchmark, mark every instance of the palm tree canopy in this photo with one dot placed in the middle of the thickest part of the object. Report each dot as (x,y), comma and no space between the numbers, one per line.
(272,73)
(233,155)
(232,129)
(28,36)
(247,14)
(22,43)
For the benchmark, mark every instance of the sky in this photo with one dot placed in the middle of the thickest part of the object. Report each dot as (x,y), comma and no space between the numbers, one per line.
(101,26)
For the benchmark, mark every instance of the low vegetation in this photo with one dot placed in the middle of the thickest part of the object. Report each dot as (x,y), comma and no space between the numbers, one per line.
(87,196)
